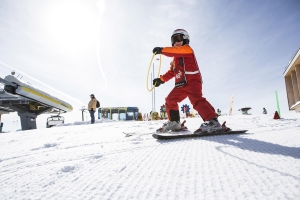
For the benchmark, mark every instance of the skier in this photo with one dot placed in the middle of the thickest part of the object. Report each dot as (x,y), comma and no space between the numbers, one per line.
(188,83)
(264,111)
(219,112)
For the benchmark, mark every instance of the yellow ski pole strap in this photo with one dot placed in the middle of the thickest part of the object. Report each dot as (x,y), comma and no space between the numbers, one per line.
(158,75)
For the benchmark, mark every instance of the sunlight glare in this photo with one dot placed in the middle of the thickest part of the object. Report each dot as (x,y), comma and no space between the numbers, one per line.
(72,26)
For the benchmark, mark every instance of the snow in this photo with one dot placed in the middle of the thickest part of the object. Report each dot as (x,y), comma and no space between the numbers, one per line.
(98,161)
(296,106)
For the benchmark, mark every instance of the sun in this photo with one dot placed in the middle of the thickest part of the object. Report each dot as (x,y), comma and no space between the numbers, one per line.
(71,26)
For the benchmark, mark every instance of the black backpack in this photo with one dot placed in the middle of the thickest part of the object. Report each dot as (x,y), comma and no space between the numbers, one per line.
(97,104)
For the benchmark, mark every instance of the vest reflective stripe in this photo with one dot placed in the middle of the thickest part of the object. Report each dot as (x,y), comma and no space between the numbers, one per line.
(194,72)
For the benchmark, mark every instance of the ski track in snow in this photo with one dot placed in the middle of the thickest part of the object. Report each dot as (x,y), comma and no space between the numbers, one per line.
(99,162)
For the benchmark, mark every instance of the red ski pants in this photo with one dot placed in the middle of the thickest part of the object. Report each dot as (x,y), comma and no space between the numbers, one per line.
(192,90)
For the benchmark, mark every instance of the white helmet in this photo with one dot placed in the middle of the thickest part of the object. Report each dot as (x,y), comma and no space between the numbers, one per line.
(180,35)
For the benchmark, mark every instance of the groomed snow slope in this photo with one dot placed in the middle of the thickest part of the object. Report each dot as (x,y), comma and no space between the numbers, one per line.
(99,162)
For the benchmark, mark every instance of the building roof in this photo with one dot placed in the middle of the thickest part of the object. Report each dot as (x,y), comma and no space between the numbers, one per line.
(295,60)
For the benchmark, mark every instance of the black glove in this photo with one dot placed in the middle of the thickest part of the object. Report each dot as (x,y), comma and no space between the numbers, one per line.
(157,50)
(157,82)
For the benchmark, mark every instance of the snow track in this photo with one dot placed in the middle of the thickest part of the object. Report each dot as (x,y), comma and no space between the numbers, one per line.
(99,162)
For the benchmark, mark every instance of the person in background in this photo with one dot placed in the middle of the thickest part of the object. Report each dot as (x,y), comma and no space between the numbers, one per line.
(264,111)
(219,112)
(92,107)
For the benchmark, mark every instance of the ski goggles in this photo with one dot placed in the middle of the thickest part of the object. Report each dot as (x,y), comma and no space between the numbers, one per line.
(177,38)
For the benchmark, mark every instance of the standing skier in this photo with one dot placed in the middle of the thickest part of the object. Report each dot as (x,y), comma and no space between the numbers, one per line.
(92,107)
(264,111)
(188,83)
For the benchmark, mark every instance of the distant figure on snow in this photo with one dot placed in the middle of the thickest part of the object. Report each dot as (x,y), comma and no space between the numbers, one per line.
(219,112)
(264,111)
(92,107)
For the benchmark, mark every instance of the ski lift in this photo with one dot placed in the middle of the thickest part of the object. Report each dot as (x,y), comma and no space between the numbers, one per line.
(245,111)
(55,120)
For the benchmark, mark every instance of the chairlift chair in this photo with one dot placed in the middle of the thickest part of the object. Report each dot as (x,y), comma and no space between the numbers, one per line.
(55,120)
(245,111)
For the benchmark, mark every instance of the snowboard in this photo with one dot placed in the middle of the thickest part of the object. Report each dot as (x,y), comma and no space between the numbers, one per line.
(185,133)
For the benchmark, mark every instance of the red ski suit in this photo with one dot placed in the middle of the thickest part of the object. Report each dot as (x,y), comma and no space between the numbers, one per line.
(188,82)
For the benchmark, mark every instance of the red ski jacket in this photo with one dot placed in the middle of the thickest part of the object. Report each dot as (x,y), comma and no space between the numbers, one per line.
(184,66)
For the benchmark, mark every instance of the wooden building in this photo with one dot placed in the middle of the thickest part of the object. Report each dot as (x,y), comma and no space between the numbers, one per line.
(292,82)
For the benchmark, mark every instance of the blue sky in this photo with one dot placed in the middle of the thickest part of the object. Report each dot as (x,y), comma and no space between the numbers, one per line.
(104,47)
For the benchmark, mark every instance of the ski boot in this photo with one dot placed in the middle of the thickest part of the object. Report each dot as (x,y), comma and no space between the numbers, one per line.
(172,126)
(169,126)
(211,126)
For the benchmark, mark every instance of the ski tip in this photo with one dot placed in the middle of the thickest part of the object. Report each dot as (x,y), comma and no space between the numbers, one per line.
(235,131)
(155,136)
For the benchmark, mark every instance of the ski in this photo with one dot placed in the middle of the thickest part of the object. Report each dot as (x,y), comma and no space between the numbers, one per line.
(174,135)
(183,128)
(185,133)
